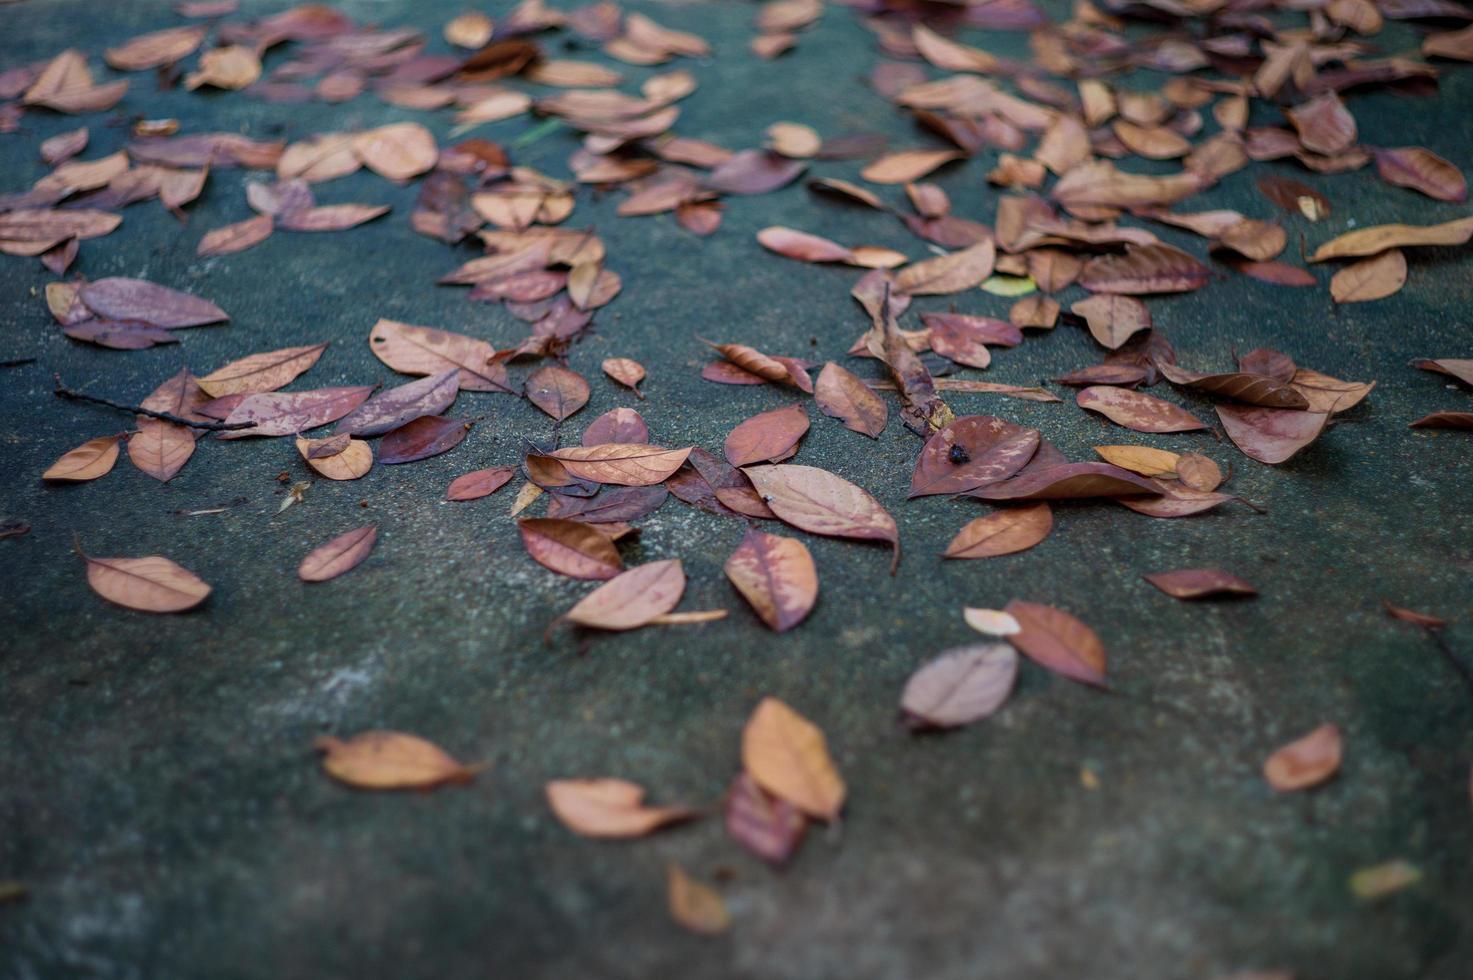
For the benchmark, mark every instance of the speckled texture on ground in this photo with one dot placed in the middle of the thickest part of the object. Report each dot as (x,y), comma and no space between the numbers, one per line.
(161,801)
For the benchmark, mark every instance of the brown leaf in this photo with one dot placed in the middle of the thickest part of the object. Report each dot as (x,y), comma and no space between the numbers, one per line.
(787,756)
(632,599)
(755,362)
(42,228)
(618,425)
(1101,185)
(232,67)
(905,166)
(961,270)
(557,390)
(471,29)
(398,406)
(350,462)
(154,50)
(626,464)
(1422,170)
(776,575)
(962,338)
(63,146)
(1270,435)
(1379,238)
(160,448)
(973,451)
(426,350)
(229,239)
(694,906)
(1324,124)
(1369,279)
(137,299)
(1254,389)
(628,373)
(608,808)
(389,760)
(398,151)
(426,436)
(1034,311)
(1199,583)
(1151,142)
(152,584)
(331,217)
(767,436)
(267,371)
(802,246)
(816,500)
(90,460)
(1197,472)
(1305,762)
(1144,269)
(1424,620)
(768,826)
(1327,394)
(1137,411)
(1453,367)
(1056,640)
(1067,481)
(1113,319)
(1002,533)
(1144,460)
(570,548)
(1294,197)
(1175,500)
(479,483)
(960,686)
(1445,420)
(342,554)
(754,172)
(843,396)
(288,413)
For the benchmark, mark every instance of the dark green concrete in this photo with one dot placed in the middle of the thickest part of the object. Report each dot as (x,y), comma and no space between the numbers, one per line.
(159,797)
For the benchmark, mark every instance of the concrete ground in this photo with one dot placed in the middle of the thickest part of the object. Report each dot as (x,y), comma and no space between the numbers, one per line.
(158,793)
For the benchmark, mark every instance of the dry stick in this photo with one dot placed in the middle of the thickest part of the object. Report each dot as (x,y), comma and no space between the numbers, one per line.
(17,362)
(62,391)
(1458,664)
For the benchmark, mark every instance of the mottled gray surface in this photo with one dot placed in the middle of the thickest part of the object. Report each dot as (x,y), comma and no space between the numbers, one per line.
(161,801)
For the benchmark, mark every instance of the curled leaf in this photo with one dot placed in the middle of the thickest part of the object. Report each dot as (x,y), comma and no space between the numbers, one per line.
(608,808)
(1199,583)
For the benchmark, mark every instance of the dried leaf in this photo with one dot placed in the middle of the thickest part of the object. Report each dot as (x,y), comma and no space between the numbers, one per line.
(787,756)
(905,166)
(570,548)
(137,299)
(1137,411)
(1327,394)
(267,371)
(843,396)
(960,686)
(816,500)
(232,67)
(389,760)
(695,906)
(973,451)
(90,460)
(1002,533)
(479,483)
(1140,459)
(1113,319)
(1445,420)
(1270,435)
(1056,640)
(961,270)
(160,448)
(398,151)
(154,50)
(766,437)
(1379,238)
(776,575)
(353,460)
(1380,880)
(1199,583)
(1369,279)
(769,827)
(398,406)
(608,808)
(426,436)
(991,622)
(1067,481)
(342,554)
(619,425)
(557,390)
(1197,472)
(1324,124)
(288,413)
(1424,620)
(229,239)
(632,599)
(152,584)
(1154,268)
(426,350)
(471,29)
(754,172)
(1305,762)
(1422,170)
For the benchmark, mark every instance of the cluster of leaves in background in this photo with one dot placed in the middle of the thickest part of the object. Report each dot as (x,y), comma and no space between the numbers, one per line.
(1067,103)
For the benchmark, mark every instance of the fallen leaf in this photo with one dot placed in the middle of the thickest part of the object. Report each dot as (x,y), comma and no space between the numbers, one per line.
(288,413)
(1145,460)
(787,756)
(1422,170)
(331,217)
(958,271)
(1380,880)
(767,436)
(421,438)
(267,371)
(342,554)
(1424,620)
(1305,762)
(1199,583)
(160,448)
(229,239)
(354,460)
(628,373)
(1154,268)
(816,500)
(426,350)
(1453,367)
(768,826)
(632,599)
(1324,124)
(802,246)
(154,50)
(1270,435)
(841,395)
(608,808)
(1254,389)
(1197,472)
(1058,641)
(1002,533)
(754,172)
(991,622)
(1067,481)
(1379,238)
(90,460)
(1370,279)
(570,548)
(1112,319)
(232,67)
(973,451)
(479,483)
(617,425)
(152,584)
(398,151)
(625,464)
(557,390)
(960,686)
(1445,420)
(905,166)
(776,575)
(137,299)
(398,406)
(389,760)
(694,906)
(1137,411)
(471,29)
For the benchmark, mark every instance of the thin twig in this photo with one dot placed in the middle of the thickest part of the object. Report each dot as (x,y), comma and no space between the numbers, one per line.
(17,362)
(1447,651)
(62,391)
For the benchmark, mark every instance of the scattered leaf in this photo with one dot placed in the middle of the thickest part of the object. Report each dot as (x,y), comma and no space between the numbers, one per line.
(631,599)
(570,548)
(1002,533)
(1200,583)
(1058,641)
(1370,279)
(816,500)
(342,554)
(960,686)
(90,460)
(479,483)
(389,760)
(608,808)
(843,396)
(694,906)
(1306,761)
(776,575)
(787,756)
(152,584)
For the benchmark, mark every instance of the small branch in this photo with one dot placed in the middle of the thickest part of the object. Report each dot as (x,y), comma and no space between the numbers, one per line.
(17,362)
(62,391)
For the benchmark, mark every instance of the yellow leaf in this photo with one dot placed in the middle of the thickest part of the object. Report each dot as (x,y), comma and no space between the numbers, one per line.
(787,755)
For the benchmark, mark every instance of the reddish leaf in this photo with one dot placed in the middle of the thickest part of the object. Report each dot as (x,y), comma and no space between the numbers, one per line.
(1422,170)
(1056,640)
(152,584)
(288,413)
(611,505)
(1067,481)
(960,686)
(626,464)
(1137,411)
(238,237)
(1445,420)
(1002,533)
(557,390)
(1199,583)
(841,395)
(570,548)
(754,172)
(90,460)
(422,438)
(632,599)
(1113,319)
(1144,269)
(426,350)
(479,483)
(776,576)
(818,501)
(1270,435)
(1370,279)
(1305,762)
(767,437)
(1453,367)
(147,302)
(974,451)
(1254,389)
(266,371)
(397,406)
(768,826)
(342,554)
